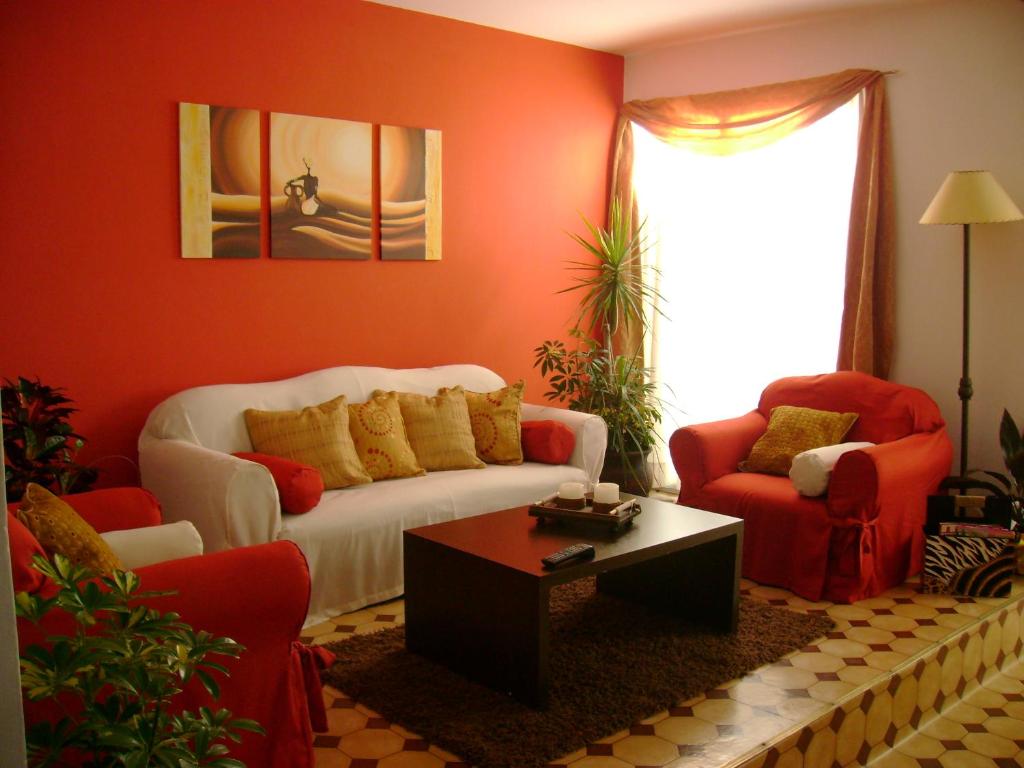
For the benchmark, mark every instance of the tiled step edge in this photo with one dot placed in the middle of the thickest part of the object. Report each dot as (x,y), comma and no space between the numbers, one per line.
(869,722)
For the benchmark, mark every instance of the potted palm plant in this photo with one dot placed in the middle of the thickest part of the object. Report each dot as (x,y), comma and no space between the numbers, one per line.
(599,374)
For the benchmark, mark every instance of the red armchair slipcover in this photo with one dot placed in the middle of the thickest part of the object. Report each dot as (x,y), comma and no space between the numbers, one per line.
(865,535)
(255,595)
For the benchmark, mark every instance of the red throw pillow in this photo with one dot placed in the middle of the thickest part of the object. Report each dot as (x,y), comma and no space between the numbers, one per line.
(299,486)
(549,442)
(23,547)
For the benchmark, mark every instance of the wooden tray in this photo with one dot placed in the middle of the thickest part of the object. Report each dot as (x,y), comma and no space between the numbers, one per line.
(548,511)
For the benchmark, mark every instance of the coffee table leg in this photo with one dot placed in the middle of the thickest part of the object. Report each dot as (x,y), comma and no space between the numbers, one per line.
(478,618)
(701,582)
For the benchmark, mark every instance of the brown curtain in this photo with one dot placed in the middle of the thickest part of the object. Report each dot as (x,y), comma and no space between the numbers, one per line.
(733,121)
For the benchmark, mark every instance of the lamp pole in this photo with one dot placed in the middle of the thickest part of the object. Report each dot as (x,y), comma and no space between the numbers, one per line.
(966,389)
(965,198)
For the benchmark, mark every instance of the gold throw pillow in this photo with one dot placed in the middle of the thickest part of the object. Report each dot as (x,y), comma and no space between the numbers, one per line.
(792,430)
(317,435)
(379,434)
(61,530)
(495,418)
(438,429)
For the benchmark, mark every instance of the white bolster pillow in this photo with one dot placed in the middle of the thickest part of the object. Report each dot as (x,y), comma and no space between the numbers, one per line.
(137,547)
(811,470)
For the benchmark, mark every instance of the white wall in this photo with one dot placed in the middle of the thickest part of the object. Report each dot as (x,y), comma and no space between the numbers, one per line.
(12,727)
(956,103)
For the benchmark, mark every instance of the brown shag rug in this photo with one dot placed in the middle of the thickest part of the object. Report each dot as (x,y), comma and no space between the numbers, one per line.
(612,664)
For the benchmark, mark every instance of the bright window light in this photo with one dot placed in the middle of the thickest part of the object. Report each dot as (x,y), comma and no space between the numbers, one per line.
(752,253)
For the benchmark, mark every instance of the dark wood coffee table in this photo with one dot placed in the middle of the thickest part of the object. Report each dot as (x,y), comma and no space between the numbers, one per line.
(476,595)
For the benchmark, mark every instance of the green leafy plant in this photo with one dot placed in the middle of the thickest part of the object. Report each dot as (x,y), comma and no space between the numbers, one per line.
(40,445)
(615,295)
(114,679)
(1009,485)
(616,389)
(598,376)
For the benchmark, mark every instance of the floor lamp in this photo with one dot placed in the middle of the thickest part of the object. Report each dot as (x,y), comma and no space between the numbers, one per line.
(969,197)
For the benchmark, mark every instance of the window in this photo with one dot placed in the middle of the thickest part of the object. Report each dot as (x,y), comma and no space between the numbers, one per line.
(751,249)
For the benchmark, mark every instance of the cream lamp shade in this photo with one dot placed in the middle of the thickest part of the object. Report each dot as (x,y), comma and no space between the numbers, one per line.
(971,197)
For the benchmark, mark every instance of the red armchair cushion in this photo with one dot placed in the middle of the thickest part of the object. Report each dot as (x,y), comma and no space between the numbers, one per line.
(108,509)
(299,486)
(24,547)
(117,509)
(549,442)
(774,512)
(887,411)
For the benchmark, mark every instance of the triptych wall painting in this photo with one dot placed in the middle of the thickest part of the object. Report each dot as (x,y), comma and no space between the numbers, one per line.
(219,151)
(321,184)
(321,179)
(410,193)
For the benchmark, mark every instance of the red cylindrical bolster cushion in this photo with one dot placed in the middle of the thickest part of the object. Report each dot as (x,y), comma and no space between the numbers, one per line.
(299,486)
(549,442)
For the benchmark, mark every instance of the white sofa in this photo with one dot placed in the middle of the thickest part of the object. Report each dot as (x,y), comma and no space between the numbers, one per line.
(353,537)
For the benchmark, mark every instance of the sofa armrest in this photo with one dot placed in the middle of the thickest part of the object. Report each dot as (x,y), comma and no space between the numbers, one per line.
(255,595)
(590,430)
(232,502)
(704,452)
(895,477)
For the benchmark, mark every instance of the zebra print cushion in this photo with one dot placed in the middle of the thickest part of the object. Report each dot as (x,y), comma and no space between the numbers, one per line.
(962,565)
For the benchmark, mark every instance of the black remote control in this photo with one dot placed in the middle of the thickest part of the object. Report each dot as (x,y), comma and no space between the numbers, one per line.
(572,552)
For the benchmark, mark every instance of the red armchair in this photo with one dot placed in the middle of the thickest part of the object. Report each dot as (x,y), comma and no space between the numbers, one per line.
(865,535)
(255,595)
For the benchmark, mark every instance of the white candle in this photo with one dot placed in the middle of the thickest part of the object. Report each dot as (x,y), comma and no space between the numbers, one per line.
(606,493)
(570,491)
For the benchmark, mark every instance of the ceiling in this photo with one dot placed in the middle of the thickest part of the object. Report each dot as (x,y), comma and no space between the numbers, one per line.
(631,26)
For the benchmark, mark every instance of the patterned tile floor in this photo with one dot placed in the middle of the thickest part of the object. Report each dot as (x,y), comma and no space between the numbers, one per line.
(985,729)
(900,682)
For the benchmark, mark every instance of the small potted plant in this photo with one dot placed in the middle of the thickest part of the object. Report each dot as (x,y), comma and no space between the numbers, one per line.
(1005,485)
(40,446)
(599,375)
(113,677)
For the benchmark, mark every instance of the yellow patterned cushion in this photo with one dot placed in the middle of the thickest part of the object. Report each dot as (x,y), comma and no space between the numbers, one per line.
(496,424)
(379,434)
(317,435)
(792,430)
(438,429)
(60,530)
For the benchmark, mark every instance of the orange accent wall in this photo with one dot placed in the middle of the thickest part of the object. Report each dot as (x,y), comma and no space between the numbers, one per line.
(95,296)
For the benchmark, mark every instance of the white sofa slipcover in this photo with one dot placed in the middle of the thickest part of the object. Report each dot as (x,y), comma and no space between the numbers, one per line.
(353,537)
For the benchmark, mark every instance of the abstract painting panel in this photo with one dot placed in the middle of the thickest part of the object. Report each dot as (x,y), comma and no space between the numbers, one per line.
(219,156)
(410,192)
(321,181)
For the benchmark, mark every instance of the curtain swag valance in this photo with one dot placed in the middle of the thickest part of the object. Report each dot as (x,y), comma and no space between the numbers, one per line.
(733,121)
